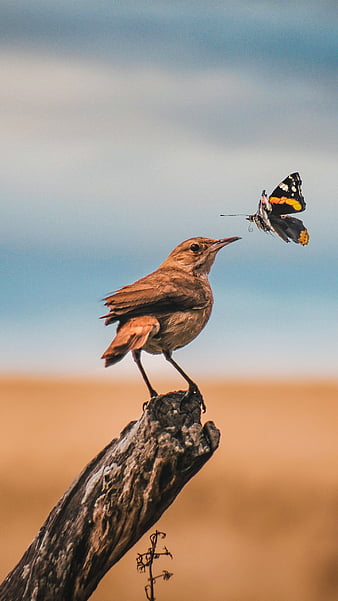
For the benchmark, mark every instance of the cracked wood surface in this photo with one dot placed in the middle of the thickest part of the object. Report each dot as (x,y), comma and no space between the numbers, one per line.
(119,495)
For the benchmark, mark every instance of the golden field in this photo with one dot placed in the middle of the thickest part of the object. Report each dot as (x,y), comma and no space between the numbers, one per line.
(258,523)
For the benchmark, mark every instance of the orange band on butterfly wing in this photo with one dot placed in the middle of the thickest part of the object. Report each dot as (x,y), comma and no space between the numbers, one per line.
(285,200)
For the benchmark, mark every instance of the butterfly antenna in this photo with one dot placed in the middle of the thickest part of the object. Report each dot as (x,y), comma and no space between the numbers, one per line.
(235,215)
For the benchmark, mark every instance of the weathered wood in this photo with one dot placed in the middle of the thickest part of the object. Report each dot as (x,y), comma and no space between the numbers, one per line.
(114,501)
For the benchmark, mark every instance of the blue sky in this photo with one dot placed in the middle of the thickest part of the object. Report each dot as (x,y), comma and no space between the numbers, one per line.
(129,127)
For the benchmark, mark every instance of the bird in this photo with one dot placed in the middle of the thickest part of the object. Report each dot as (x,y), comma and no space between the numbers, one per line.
(166,309)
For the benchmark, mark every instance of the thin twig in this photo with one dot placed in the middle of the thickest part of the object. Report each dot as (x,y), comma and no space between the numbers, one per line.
(146,560)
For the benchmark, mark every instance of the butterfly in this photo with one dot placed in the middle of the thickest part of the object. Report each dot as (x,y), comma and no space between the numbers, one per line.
(272,214)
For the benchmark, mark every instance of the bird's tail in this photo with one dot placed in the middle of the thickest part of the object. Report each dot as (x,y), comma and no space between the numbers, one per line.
(131,336)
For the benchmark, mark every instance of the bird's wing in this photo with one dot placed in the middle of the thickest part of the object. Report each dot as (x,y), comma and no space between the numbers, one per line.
(159,291)
(131,336)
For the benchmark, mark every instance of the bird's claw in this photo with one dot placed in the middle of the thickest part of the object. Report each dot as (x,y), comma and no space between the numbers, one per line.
(193,389)
(203,405)
(153,395)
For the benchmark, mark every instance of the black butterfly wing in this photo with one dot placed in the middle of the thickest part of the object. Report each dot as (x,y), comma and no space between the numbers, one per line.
(287,197)
(290,228)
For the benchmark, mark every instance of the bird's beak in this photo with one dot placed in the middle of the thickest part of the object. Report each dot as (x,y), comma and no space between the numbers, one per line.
(223,242)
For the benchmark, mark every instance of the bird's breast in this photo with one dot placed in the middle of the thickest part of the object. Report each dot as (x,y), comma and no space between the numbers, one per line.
(178,328)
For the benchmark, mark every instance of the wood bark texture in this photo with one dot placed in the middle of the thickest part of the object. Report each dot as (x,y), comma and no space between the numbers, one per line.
(114,501)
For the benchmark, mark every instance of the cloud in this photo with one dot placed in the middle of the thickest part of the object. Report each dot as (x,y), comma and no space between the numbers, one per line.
(299,38)
(88,147)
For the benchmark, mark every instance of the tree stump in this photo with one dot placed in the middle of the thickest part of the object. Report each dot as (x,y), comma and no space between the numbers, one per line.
(114,501)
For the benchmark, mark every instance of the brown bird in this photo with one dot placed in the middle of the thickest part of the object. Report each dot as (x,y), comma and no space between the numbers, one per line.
(166,309)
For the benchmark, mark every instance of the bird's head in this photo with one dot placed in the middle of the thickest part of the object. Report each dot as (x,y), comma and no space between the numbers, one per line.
(196,255)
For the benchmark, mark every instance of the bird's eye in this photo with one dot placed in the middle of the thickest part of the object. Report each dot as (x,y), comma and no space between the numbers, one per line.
(195,247)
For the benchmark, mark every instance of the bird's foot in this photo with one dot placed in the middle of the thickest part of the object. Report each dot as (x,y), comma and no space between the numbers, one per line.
(193,389)
(153,395)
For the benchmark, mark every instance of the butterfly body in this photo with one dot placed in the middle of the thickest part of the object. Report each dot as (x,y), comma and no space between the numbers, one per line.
(273,213)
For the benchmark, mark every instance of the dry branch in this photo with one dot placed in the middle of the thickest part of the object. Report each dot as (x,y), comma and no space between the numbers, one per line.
(114,501)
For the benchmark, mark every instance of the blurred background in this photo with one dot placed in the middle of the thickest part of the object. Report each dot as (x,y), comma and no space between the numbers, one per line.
(125,129)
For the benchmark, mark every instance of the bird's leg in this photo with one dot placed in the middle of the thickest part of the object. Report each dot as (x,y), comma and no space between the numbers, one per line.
(137,358)
(192,386)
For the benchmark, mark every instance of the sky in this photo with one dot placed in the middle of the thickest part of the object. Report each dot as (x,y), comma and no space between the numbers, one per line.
(129,127)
